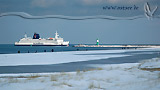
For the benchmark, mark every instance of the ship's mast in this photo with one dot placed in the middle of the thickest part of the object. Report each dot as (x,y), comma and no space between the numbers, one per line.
(56,35)
(25,35)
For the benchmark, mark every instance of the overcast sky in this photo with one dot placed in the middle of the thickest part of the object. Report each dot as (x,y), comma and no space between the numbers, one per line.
(138,31)
(75,7)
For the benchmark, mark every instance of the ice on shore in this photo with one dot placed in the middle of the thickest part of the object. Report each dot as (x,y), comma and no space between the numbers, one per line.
(62,57)
(154,63)
(104,77)
(55,57)
(127,76)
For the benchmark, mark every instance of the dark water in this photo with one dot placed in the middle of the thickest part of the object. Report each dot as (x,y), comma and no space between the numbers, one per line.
(10,48)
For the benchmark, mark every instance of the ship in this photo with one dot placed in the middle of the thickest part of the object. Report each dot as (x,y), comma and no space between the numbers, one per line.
(37,41)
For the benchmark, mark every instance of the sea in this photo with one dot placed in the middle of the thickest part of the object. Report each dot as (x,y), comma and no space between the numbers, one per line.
(10,48)
(135,56)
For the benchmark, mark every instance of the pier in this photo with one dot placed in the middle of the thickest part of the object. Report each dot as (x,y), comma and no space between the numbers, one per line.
(123,46)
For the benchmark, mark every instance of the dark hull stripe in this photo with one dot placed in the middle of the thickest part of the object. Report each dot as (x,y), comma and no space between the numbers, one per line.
(40,45)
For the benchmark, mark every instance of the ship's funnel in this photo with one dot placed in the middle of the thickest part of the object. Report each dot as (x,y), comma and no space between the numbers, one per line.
(36,36)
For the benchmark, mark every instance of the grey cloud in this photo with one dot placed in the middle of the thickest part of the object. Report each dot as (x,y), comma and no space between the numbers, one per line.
(47,3)
(95,2)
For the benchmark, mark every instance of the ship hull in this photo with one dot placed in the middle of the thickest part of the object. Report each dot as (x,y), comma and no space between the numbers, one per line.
(40,45)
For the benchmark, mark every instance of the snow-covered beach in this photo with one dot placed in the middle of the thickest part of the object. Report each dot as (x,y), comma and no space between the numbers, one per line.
(54,58)
(144,75)
(48,58)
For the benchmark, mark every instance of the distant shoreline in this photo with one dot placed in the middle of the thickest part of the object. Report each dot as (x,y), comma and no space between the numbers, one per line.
(123,46)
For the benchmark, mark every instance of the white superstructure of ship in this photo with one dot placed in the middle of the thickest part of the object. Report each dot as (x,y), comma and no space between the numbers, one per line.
(37,41)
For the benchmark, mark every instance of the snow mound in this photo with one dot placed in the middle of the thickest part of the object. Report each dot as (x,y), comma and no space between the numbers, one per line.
(153,63)
(110,77)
